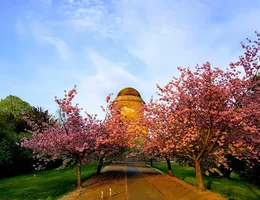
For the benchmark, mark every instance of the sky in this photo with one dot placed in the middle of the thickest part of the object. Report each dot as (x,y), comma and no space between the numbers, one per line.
(103,46)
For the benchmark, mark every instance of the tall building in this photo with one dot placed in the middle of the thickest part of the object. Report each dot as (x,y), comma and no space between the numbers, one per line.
(130,102)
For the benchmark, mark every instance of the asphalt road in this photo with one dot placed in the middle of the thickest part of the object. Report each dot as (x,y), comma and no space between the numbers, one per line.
(137,181)
(138,187)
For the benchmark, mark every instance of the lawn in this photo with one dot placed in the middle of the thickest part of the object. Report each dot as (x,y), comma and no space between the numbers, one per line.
(233,188)
(49,184)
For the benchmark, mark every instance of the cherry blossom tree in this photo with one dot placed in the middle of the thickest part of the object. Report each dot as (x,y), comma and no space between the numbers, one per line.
(203,119)
(155,118)
(248,147)
(72,137)
(112,139)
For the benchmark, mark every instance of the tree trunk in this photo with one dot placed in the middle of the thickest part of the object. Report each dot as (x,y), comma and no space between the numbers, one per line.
(100,164)
(227,173)
(199,175)
(169,166)
(79,174)
(151,162)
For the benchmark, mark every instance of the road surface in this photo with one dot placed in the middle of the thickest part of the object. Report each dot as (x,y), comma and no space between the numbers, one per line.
(137,181)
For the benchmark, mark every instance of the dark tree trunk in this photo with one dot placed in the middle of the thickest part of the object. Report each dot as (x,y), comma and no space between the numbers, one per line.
(151,162)
(227,173)
(79,174)
(199,175)
(169,166)
(100,164)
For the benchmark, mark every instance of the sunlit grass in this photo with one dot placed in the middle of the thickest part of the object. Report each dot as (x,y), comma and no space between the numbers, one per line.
(233,188)
(49,184)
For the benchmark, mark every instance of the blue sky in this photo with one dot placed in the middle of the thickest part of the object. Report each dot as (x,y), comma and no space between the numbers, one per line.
(47,46)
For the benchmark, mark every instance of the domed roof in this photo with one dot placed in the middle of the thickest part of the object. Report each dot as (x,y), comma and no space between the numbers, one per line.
(129,94)
(129,91)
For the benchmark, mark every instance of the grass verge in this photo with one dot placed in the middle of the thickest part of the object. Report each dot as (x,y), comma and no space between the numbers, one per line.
(233,188)
(49,184)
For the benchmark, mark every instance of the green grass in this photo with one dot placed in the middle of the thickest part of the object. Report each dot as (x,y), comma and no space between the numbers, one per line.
(49,184)
(233,188)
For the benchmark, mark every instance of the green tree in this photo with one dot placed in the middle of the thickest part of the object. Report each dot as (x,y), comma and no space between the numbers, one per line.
(13,109)
(15,159)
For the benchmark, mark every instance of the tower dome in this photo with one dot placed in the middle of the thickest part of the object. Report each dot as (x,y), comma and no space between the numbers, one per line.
(129,91)
(129,94)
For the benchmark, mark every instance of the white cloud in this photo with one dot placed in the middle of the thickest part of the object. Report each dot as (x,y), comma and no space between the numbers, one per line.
(165,34)
(158,35)
(108,78)
(41,33)
(38,30)
(60,45)
(92,16)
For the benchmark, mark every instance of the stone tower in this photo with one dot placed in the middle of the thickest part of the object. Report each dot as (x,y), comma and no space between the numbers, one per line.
(130,101)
